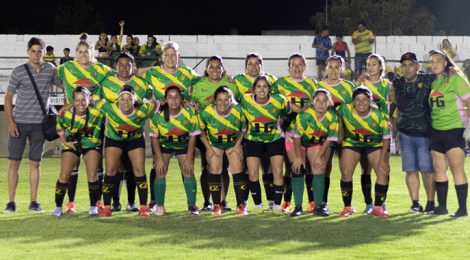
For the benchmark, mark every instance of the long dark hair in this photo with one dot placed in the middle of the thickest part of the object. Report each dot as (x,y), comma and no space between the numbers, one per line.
(215,57)
(165,108)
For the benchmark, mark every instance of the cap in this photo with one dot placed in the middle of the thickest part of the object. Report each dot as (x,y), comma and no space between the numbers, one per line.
(408,56)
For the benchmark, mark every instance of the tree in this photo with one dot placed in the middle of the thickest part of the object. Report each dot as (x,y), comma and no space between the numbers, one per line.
(77,17)
(384,17)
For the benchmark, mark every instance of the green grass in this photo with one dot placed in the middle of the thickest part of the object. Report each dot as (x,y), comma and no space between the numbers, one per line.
(177,235)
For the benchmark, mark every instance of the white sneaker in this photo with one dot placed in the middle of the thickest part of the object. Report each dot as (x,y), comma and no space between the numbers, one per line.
(153,208)
(270,204)
(276,207)
(57,212)
(160,210)
(259,208)
(93,211)
(132,207)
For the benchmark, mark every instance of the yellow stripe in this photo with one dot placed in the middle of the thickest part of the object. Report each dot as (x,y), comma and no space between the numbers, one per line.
(332,90)
(172,78)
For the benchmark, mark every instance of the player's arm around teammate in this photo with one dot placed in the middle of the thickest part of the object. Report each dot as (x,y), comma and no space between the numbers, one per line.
(223,128)
(315,129)
(174,130)
(79,128)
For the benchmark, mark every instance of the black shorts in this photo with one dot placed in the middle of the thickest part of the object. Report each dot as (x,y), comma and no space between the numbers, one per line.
(85,151)
(258,149)
(174,151)
(363,150)
(442,141)
(126,146)
(321,62)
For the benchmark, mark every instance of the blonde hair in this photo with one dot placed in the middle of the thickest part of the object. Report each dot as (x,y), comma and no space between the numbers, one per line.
(84,41)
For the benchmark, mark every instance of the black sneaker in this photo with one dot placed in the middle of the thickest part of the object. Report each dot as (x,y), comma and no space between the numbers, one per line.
(34,206)
(297,211)
(224,206)
(116,207)
(194,210)
(320,211)
(324,206)
(429,207)
(207,206)
(416,208)
(11,207)
(459,213)
(439,211)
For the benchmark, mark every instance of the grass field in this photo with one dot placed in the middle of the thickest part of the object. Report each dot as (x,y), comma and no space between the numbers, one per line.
(25,235)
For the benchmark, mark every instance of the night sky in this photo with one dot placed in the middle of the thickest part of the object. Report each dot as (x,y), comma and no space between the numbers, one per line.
(204,17)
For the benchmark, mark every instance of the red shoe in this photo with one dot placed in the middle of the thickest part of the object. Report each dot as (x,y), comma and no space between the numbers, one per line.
(241,210)
(285,206)
(144,211)
(311,206)
(70,207)
(99,204)
(379,212)
(217,210)
(347,211)
(106,211)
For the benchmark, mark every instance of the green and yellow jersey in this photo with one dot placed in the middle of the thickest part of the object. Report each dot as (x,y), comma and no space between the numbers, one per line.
(363,46)
(369,131)
(87,128)
(297,93)
(203,90)
(111,86)
(263,120)
(121,127)
(313,130)
(245,83)
(174,134)
(222,131)
(73,76)
(184,78)
(381,93)
(341,93)
(447,102)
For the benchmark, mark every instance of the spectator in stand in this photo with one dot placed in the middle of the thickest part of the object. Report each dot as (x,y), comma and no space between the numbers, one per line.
(322,43)
(341,48)
(49,56)
(66,57)
(448,49)
(129,46)
(136,45)
(362,39)
(102,45)
(151,52)
(116,42)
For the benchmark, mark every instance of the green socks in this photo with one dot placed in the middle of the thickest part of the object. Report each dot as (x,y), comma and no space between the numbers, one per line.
(160,189)
(190,188)
(318,188)
(298,189)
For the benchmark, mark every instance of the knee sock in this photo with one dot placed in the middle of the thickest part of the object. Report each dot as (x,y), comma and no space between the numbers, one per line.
(153,175)
(240,185)
(160,189)
(131,185)
(462,192)
(72,185)
(215,186)
(287,189)
(346,191)
(100,182)
(191,189)
(380,194)
(117,188)
(60,189)
(94,191)
(308,185)
(298,189)
(108,189)
(268,186)
(441,191)
(142,189)
(318,188)
(225,177)
(255,189)
(327,188)
(366,185)
(206,193)
(278,190)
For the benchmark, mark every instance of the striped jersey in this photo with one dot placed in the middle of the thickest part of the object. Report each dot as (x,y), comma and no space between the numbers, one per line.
(245,83)
(369,131)
(263,120)
(174,134)
(74,76)
(87,128)
(298,93)
(341,93)
(447,102)
(313,130)
(381,93)
(363,46)
(222,131)
(111,86)
(120,127)
(184,78)
(203,90)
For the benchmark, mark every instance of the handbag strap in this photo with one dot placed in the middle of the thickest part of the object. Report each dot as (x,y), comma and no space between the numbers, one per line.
(41,103)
